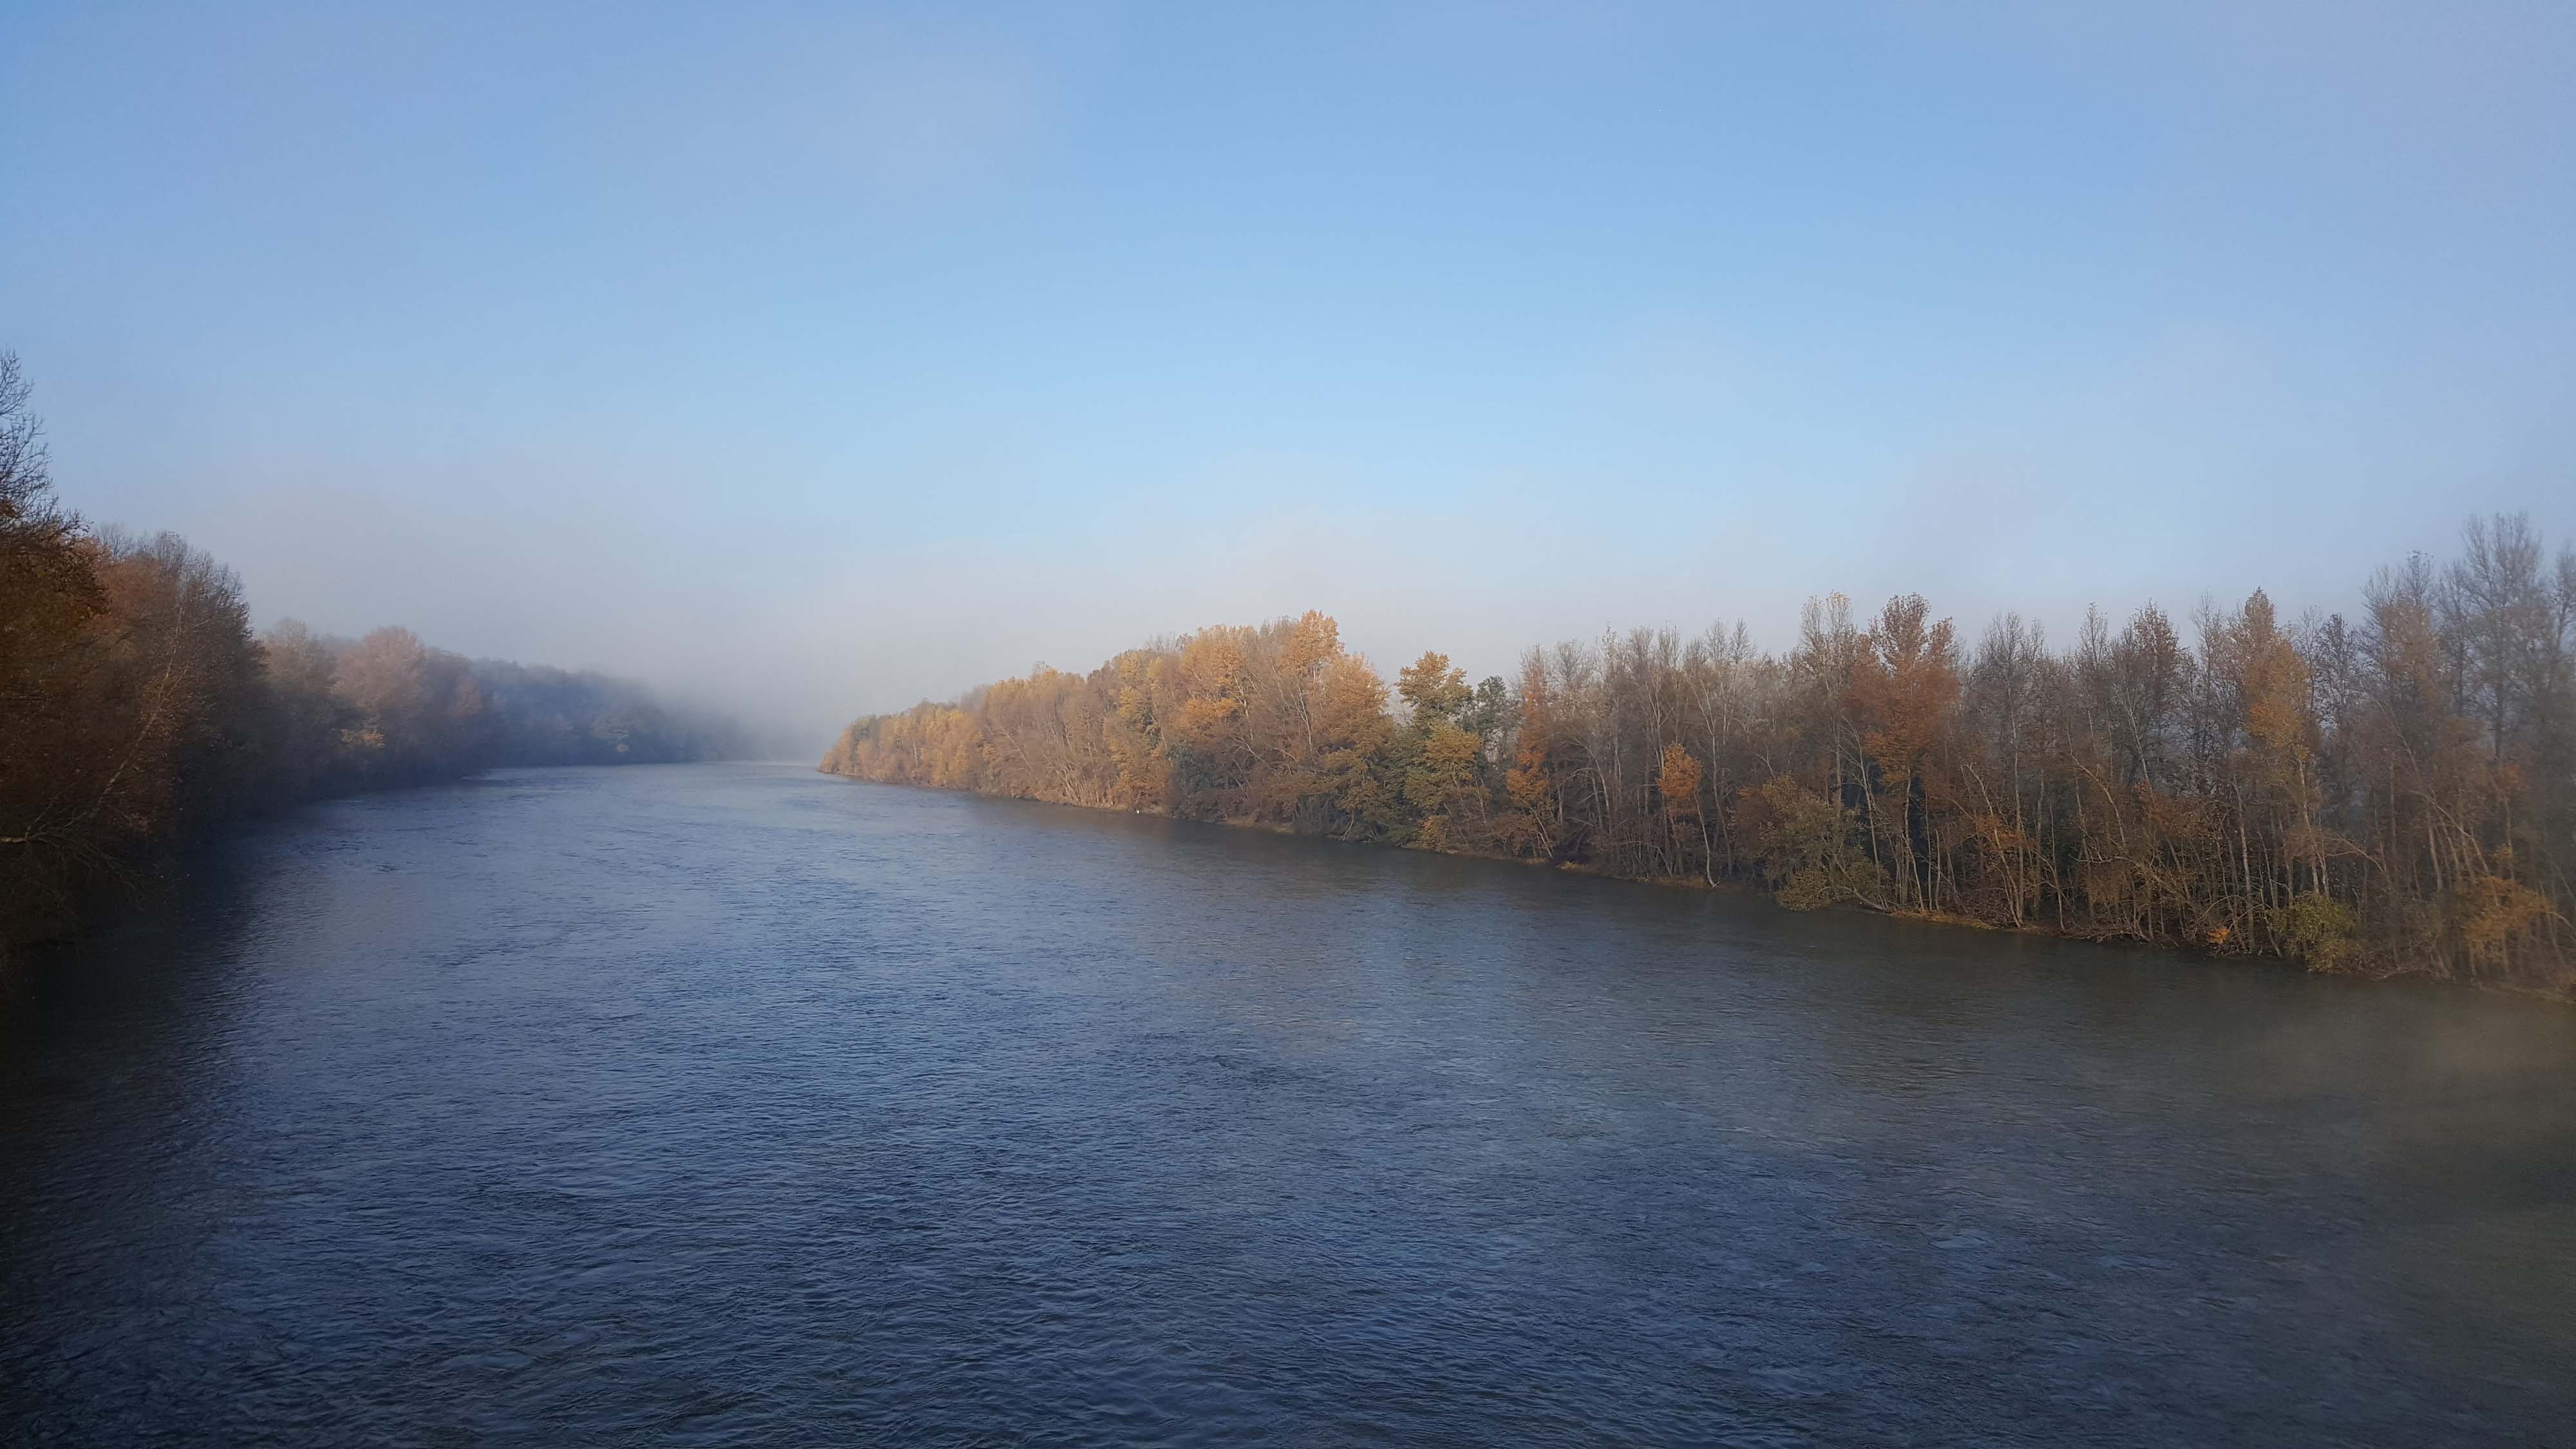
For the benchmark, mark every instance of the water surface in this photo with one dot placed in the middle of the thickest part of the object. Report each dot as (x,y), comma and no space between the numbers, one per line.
(736,1105)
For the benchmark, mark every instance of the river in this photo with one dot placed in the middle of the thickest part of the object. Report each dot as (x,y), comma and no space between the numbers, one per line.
(742,1105)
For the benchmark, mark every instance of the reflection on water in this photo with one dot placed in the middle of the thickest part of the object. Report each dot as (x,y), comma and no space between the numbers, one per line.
(742,1105)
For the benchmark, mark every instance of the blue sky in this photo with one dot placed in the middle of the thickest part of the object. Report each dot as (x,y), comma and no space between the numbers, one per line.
(842,356)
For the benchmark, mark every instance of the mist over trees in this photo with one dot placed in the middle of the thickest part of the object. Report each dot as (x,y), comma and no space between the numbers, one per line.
(136,704)
(2392,794)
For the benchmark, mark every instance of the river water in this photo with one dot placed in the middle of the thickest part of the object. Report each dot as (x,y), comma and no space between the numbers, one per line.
(741,1105)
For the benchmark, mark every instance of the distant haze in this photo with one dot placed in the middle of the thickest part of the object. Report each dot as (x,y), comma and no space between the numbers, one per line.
(828,359)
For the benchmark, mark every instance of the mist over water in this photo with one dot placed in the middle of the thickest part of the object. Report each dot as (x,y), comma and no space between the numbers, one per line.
(749,1106)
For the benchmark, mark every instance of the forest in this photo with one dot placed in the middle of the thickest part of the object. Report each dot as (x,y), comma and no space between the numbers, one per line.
(138,707)
(2390,794)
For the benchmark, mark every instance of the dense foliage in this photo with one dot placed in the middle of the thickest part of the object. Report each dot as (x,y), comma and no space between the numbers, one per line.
(136,704)
(2393,794)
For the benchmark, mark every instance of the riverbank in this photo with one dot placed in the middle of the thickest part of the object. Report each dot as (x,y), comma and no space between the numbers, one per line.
(2563,991)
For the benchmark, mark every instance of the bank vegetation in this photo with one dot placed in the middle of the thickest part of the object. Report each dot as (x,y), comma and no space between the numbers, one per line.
(138,707)
(2393,793)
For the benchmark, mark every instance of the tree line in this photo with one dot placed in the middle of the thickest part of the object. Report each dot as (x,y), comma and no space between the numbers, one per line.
(2388,794)
(137,704)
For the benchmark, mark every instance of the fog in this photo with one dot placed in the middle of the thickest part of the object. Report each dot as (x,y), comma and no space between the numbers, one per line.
(814,363)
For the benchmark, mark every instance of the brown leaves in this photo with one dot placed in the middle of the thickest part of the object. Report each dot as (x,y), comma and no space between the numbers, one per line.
(1431,686)
(2491,914)
(1677,777)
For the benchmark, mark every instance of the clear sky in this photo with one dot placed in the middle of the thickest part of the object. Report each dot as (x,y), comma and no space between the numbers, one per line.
(845,356)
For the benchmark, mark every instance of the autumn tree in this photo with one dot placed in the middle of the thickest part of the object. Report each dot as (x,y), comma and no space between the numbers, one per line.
(2396,793)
